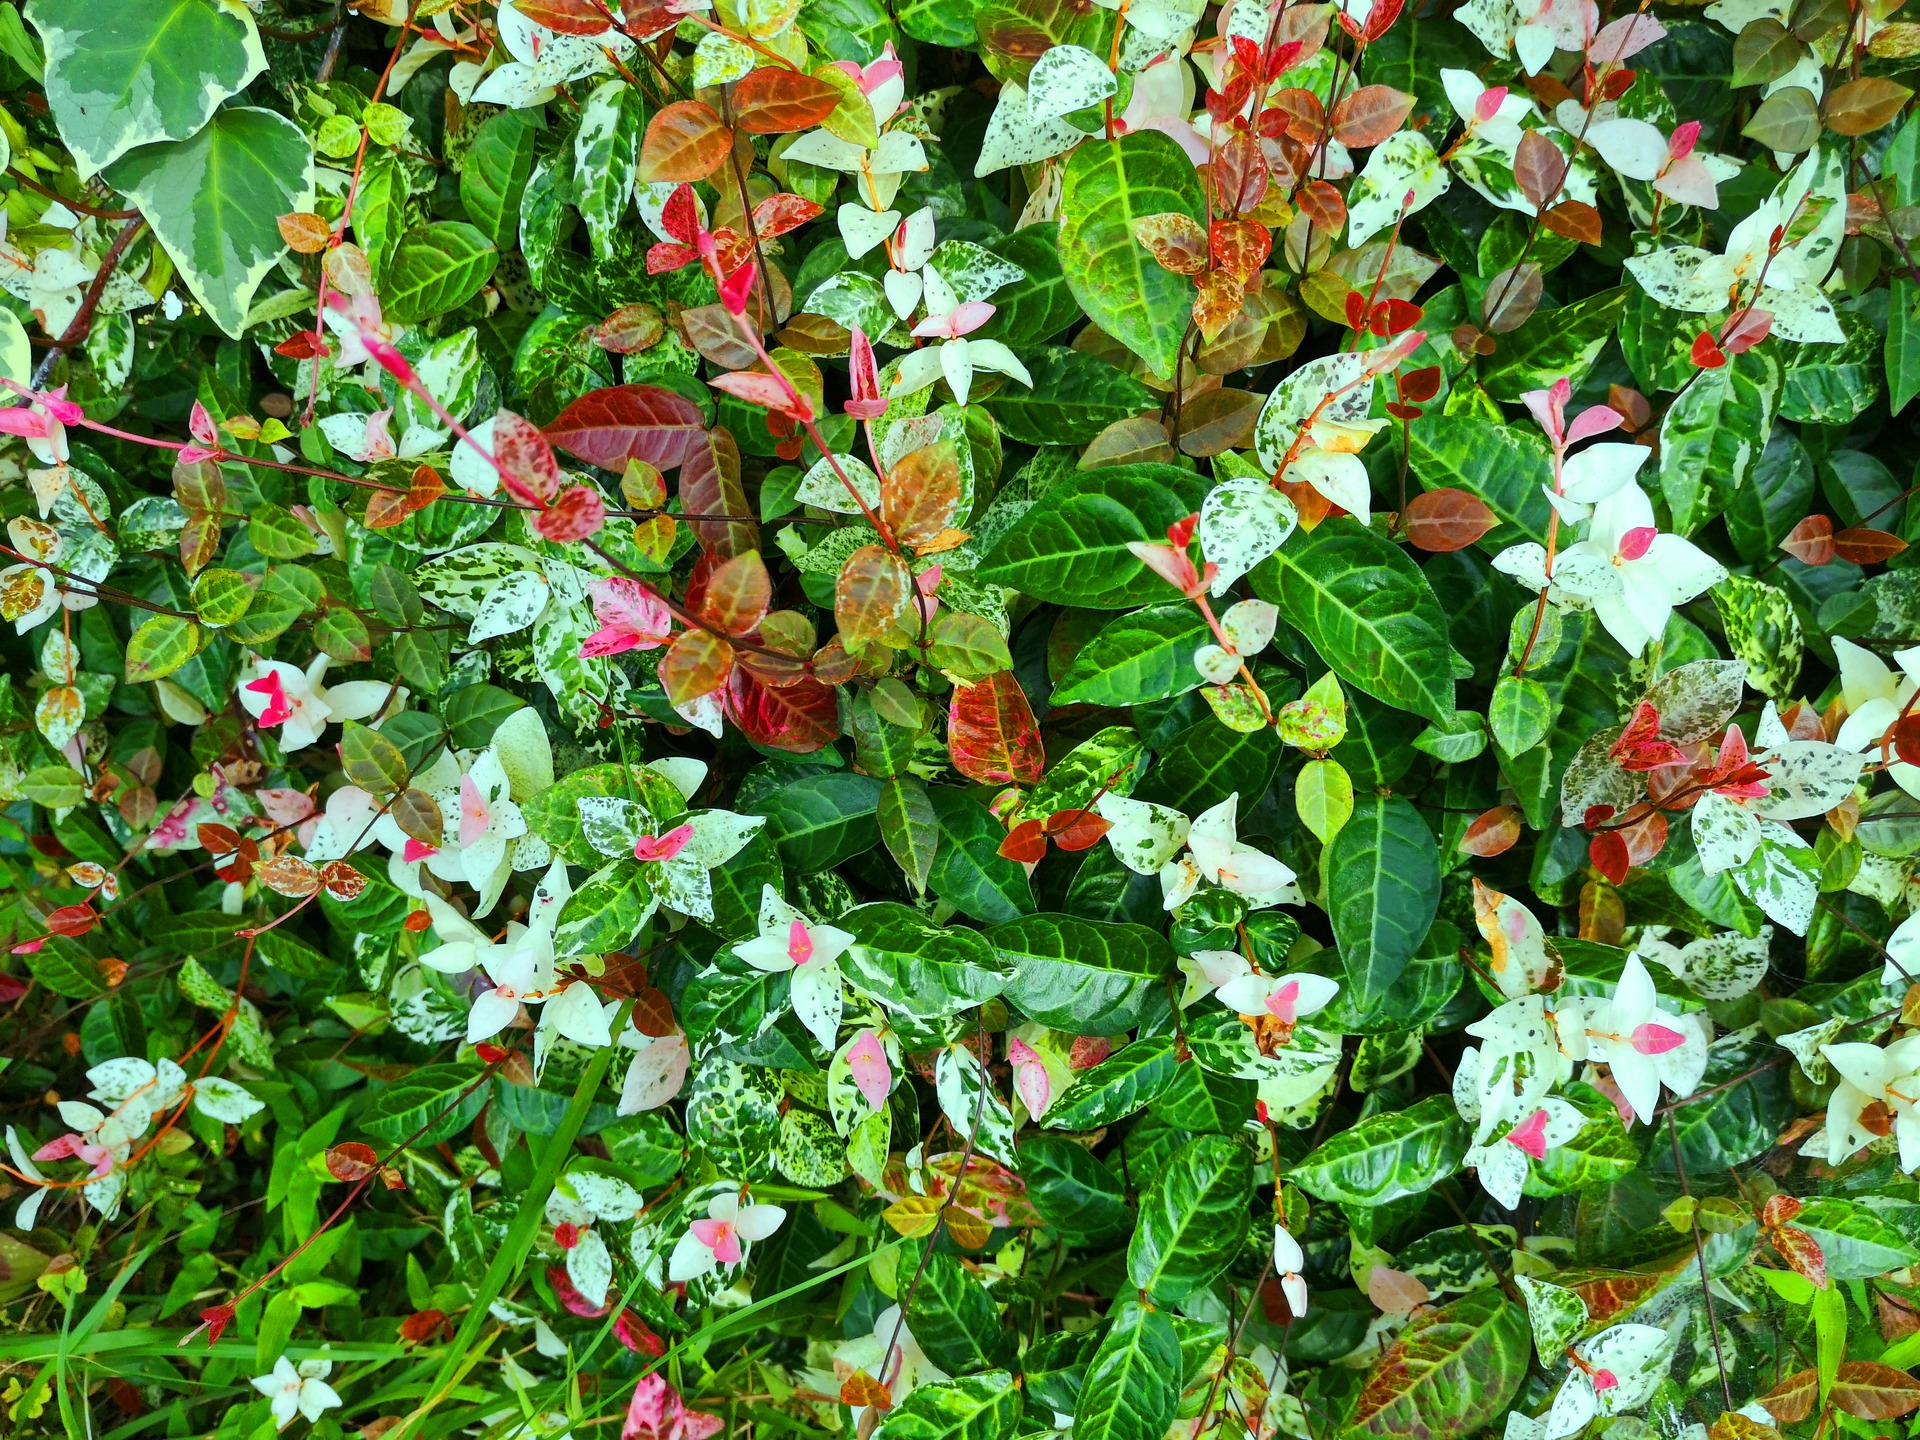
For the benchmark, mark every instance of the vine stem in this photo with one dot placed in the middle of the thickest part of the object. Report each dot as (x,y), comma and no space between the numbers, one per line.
(81,325)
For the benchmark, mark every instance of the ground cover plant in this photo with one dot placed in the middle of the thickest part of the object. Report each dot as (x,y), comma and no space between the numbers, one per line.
(1097,718)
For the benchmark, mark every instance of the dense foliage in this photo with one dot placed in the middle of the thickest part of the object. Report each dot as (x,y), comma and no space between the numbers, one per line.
(984,718)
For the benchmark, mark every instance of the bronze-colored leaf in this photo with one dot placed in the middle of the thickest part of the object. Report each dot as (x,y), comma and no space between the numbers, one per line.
(697,663)
(919,494)
(871,593)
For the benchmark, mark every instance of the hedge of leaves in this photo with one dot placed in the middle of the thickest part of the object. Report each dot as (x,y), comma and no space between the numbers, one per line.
(981,718)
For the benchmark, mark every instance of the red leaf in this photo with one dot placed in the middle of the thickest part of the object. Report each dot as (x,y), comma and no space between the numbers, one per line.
(991,733)
(1811,542)
(1447,519)
(352,1161)
(566,17)
(576,514)
(1867,547)
(1608,851)
(1074,830)
(1026,842)
(72,920)
(800,717)
(1420,385)
(1539,167)
(1906,739)
(1324,207)
(773,101)
(1706,353)
(628,422)
(1573,220)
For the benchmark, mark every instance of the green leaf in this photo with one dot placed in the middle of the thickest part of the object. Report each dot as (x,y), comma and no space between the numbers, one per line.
(212,201)
(1119,1085)
(605,913)
(124,73)
(1074,396)
(1383,889)
(1369,612)
(1081,975)
(821,820)
(939,22)
(1132,1387)
(276,532)
(1076,1193)
(372,761)
(1205,763)
(1147,655)
(969,872)
(1744,1104)
(1552,344)
(159,647)
(1072,546)
(1857,1242)
(1120,286)
(440,1100)
(978,1407)
(954,1321)
(909,828)
(1040,306)
(1505,465)
(474,712)
(1520,714)
(494,174)
(925,969)
(1193,1219)
(1387,1156)
(1452,1371)
(436,268)
(1714,432)
(1903,342)
(606,154)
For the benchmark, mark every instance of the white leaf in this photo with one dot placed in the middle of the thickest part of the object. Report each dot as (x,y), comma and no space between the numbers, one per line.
(1403,162)
(513,604)
(1242,522)
(1068,78)
(1016,136)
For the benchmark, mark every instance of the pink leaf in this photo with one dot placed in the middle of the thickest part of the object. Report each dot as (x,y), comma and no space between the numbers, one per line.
(628,422)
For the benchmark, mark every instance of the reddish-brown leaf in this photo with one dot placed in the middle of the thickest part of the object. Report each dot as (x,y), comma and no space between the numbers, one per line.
(684,141)
(341,880)
(1869,1390)
(1574,220)
(1219,420)
(1324,206)
(1217,302)
(424,1325)
(798,718)
(991,732)
(352,1161)
(1447,519)
(1811,542)
(630,329)
(304,232)
(1177,241)
(1538,168)
(696,664)
(1801,1251)
(628,422)
(1240,247)
(1862,106)
(918,496)
(1492,833)
(389,507)
(871,593)
(291,876)
(566,17)
(1512,296)
(710,485)
(1369,115)
(1239,174)
(774,101)
(861,1388)
(1296,113)
(737,593)
(523,453)
(1867,547)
